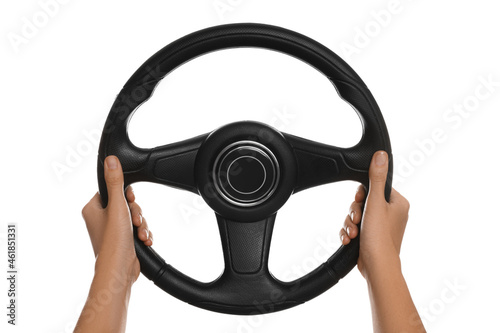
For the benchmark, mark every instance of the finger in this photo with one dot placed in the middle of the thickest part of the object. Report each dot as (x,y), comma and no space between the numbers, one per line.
(143,231)
(350,228)
(360,193)
(378,176)
(355,212)
(130,195)
(136,214)
(149,242)
(113,175)
(344,239)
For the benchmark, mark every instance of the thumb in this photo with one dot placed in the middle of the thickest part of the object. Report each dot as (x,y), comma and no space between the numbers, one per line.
(113,175)
(378,175)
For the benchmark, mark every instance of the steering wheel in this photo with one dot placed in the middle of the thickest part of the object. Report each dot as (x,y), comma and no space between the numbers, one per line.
(245,171)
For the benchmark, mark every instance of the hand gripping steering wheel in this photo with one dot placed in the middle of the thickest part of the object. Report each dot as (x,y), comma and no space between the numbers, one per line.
(245,171)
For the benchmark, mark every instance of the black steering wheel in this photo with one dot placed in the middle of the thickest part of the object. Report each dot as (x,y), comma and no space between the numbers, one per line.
(245,171)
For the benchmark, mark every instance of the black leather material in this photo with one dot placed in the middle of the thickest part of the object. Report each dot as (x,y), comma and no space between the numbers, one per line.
(246,285)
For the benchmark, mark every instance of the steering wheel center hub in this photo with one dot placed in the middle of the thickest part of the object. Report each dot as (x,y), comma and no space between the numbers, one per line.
(246,173)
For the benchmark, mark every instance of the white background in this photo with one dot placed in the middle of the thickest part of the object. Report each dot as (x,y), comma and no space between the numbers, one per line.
(422,60)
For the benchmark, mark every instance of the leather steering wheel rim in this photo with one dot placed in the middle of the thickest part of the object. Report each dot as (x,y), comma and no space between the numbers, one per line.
(246,286)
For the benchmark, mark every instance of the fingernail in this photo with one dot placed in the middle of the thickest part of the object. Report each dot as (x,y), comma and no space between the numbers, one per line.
(352,216)
(140,218)
(349,231)
(147,233)
(342,238)
(111,162)
(381,159)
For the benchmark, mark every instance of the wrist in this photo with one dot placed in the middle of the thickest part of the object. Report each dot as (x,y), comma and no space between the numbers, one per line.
(381,266)
(116,267)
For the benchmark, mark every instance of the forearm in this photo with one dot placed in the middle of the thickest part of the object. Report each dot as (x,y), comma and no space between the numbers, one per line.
(107,303)
(392,307)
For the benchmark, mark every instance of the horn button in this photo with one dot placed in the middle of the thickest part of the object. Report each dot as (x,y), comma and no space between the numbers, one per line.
(246,173)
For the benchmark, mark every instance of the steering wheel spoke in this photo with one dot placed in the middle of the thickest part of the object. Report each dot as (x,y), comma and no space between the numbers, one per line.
(246,245)
(246,286)
(319,164)
(171,165)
